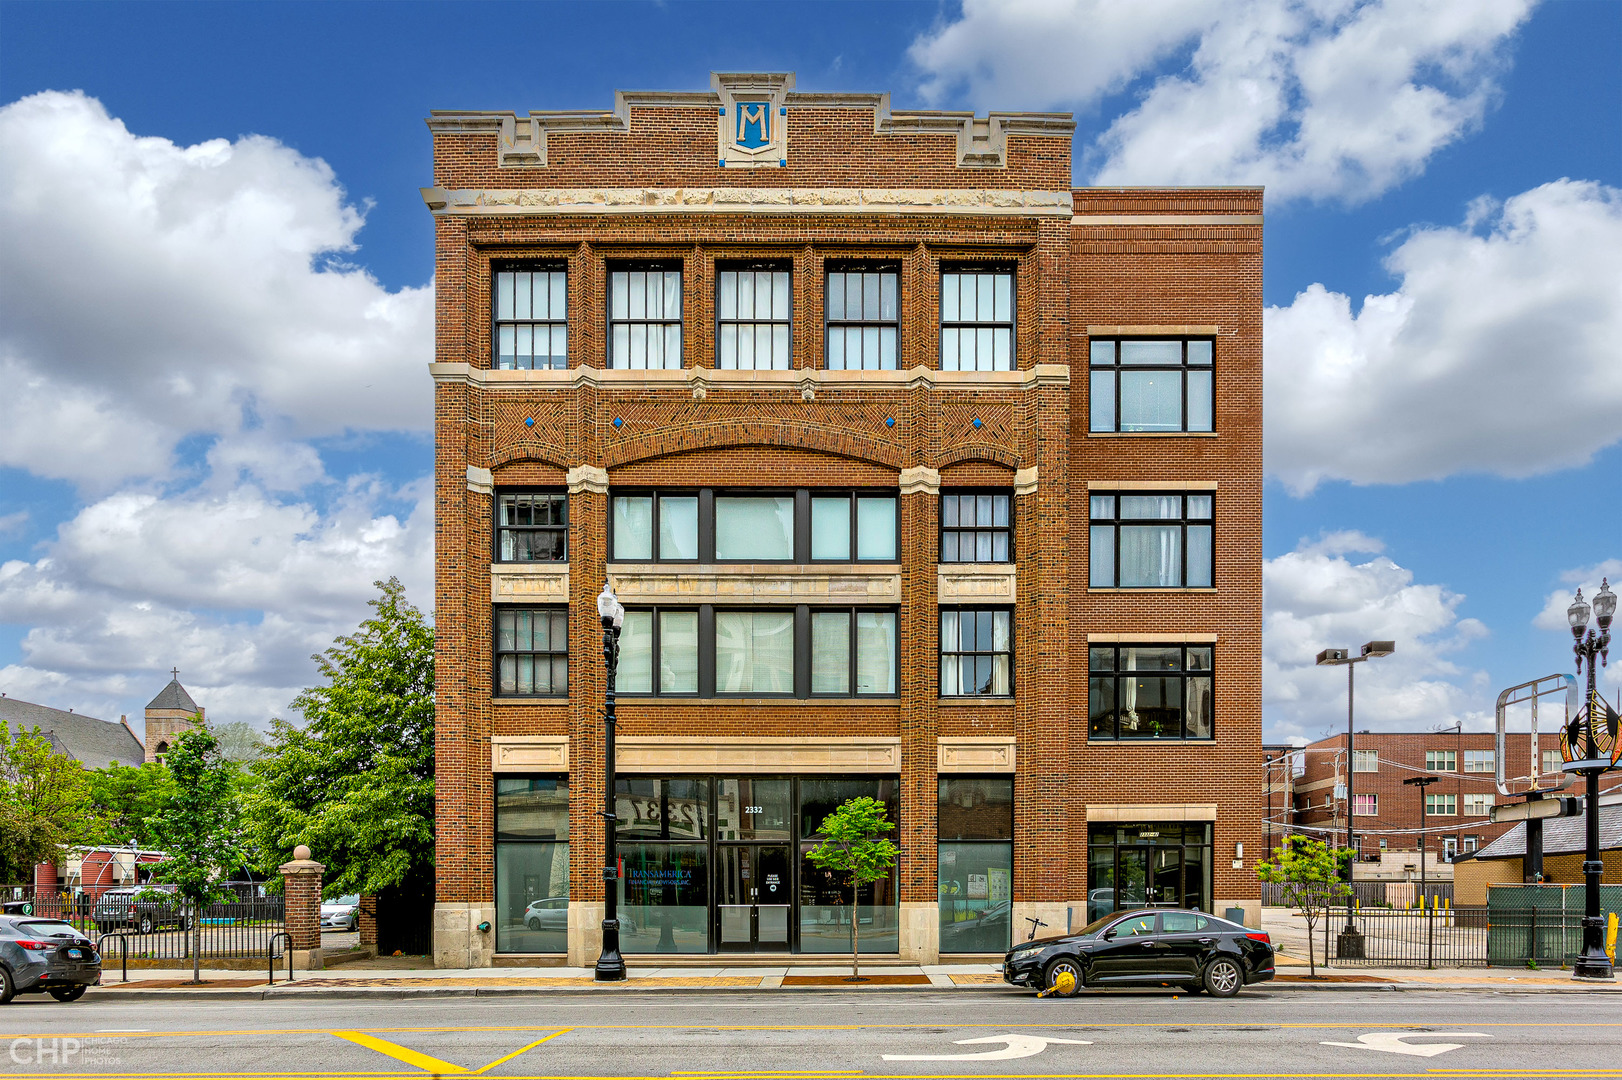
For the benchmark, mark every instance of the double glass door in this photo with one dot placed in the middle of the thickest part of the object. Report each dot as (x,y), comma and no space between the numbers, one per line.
(1149,877)
(752,899)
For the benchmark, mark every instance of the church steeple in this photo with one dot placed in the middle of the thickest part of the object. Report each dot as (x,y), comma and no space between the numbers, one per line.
(168,715)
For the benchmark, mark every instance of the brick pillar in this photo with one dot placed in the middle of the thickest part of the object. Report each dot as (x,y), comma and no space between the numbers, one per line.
(368,921)
(301,880)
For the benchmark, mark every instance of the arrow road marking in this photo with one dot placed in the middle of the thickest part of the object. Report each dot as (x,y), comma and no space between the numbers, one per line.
(1019,1046)
(1391,1042)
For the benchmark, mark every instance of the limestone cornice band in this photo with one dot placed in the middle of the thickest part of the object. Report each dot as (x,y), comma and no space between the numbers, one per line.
(480,481)
(1025,481)
(711,379)
(747,200)
(699,754)
(1133,812)
(1149,485)
(653,583)
(975,754)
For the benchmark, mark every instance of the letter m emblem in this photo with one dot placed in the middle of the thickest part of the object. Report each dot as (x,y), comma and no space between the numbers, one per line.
(754,124)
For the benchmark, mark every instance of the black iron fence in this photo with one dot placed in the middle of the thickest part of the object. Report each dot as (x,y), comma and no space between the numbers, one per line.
(1376,894)
(157,928)
(1396,937)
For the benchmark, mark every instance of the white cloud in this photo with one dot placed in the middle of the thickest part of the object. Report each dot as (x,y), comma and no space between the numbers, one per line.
(1497,353)
(1319,99)
(150,292)
(1318,597)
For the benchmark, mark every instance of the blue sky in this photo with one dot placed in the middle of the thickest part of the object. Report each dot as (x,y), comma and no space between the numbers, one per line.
(229,214)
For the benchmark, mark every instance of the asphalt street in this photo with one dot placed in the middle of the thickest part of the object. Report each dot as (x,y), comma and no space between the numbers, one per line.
(794,1036)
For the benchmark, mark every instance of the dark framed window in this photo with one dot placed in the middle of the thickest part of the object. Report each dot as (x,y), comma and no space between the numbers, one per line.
(854,652)
(644,315)
(1149,692)
(1142,540)
(1164,863)
(654,527)
(659,652)
(975,867)
(977,527)
(854,526)
(532,526)
(1139,384)
(532,864)
(863,316)
(977,319)
(532,651)
(977,652)
(754,314)
(754,652)
(530,308)
(754,526)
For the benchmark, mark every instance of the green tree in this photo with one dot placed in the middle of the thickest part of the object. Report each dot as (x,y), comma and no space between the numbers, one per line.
(853,844)
(44,803)
(240,742)
(1309,872)
(127,802)
(200,827)
(356,782)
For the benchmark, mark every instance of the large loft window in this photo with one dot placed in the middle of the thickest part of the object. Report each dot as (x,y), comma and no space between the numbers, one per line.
(753,316)
(754,526)
(977,652)
(1151,385)
(644,316)
(977,528)
(977,319)
(1149,541)
(532,526)
(531,317)
(854,526)
(1149,692)
(532,652)
(864,317)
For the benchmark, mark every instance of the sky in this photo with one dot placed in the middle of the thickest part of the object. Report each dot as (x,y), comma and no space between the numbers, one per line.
(216,303)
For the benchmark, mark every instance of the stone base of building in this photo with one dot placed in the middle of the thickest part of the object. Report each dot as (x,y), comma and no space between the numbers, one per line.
(1061,917)
(1253,910)
(308,960)
(585,933)
(920,933)
(458,941)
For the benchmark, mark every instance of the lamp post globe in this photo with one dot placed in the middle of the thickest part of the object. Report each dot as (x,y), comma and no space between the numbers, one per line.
(1577,615)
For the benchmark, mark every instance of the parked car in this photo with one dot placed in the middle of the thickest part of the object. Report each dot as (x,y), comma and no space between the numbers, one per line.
(1168,946)
(341,914)
(553,914)
(45,956)
(140,906)
(1100,902)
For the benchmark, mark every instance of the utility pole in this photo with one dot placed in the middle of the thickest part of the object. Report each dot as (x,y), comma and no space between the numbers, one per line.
(1423,782)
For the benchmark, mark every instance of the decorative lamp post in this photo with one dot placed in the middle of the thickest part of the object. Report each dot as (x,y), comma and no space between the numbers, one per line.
(1423,782)
(1350,944)
(610,965)
(1592,962)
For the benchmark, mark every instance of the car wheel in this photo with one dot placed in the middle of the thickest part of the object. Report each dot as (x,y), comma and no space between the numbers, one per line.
(146,924)
(6,989)
(354,923)
(65,994)
(1050,976)
(1223,977)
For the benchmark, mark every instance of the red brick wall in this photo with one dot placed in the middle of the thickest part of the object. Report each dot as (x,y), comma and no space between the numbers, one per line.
(302,893)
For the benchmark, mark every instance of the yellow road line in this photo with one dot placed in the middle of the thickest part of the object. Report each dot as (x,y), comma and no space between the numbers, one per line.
(522,1050)
(400,1053)
(1429,1074)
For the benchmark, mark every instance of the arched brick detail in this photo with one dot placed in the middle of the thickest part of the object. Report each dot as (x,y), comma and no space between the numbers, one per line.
(792,434)
(543,454)
(996,455)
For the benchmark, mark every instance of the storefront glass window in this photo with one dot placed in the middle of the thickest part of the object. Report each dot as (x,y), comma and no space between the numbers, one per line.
(975,864)
(825,922)
(752,810)
(532,864)
(1158,864)
(665,898)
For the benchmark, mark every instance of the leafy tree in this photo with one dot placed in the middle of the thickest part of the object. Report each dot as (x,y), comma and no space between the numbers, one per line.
(853,844)
(1309,872)
(240,742)
(200,826)
(356,783)
(128,800)
(44,803)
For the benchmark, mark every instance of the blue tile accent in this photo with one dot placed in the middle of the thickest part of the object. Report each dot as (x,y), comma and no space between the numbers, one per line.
(619,421)
(722,111)
(784,163)
(976,421)
(723,162)
(529,421)
(782,110)
(889,421)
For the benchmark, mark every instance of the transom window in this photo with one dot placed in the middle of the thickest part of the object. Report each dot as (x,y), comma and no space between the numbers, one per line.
(709,525)
(644,317)
(977,646)
(1480,761)
(532,651)
(976,528)
(1149,692)
(1440,805)
(864,317)
(1150,541)
(532,317)
(753,318)
(532,527)
(1440,761)
(1151,385)
(977,320)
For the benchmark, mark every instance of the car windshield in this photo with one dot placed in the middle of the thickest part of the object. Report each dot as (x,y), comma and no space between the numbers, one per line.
(47,928)
(345,901)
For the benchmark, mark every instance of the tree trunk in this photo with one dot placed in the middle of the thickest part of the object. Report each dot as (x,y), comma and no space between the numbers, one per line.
(855,932)
(1312,964)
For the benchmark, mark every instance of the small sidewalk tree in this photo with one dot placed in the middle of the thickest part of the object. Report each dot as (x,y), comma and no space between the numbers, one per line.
(853,844)
(1308,873)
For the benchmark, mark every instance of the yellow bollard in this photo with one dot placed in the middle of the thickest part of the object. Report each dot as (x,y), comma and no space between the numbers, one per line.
(1610,937)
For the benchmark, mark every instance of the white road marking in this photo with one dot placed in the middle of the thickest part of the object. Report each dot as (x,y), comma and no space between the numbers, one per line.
(1019,1046)
(1391,1042)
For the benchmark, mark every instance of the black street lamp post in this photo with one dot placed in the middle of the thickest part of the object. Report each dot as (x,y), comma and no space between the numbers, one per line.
(1423,782)
(1592,962)
(610,965)
(1350,944)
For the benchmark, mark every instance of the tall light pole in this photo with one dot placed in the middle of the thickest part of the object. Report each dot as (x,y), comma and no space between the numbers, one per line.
(1350,944)
(610,965)
(1423,782)
(1592,963)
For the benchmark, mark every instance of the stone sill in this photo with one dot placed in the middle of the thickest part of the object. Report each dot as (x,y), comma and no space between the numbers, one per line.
(1151,589)
(1152,434)
(1155,742)
(970,702)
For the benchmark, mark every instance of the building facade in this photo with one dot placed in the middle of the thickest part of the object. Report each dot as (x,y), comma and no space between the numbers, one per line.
(920,474)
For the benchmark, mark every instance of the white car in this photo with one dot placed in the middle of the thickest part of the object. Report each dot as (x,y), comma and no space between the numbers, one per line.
(341,914)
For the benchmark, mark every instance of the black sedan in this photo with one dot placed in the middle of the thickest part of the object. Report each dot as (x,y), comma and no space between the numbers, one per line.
(1187,949)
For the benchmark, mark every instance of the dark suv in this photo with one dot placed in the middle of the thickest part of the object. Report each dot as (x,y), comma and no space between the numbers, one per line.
(140,907)
(45,956)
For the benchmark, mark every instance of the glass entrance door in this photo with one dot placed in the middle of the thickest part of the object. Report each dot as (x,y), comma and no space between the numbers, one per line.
(752,897)
(1166,877)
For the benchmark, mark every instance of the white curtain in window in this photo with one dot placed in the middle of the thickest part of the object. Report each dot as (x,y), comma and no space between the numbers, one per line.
(875,528)
(635,672)
(633,527)
(678,652)
(1151,555)
(678,527)
(754,652)
(830,652)
(875,652)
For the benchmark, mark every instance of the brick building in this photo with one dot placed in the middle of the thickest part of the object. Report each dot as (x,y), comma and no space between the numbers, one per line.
(1387,814)
(920,474)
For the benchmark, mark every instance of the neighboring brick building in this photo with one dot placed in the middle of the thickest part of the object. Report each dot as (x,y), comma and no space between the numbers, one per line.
(883,434)
(1387,813)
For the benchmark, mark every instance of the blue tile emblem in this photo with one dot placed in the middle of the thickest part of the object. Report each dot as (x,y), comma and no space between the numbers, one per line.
(976,421)
(754,124)
(889,421)
(529,421)
(619,422)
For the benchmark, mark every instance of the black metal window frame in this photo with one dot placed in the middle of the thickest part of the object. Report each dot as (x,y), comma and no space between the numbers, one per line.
(851,649)
(1009,268)
(1184,673)
(1114,521)
(673,265)
(829,325)
(496,652)
(976,528)
(777,266)
(706,521)
(977,610)
(531,266)
(498,504)
(657,646)
(1106,374)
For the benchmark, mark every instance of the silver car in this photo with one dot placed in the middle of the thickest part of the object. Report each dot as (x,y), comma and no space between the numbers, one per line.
(45,956)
